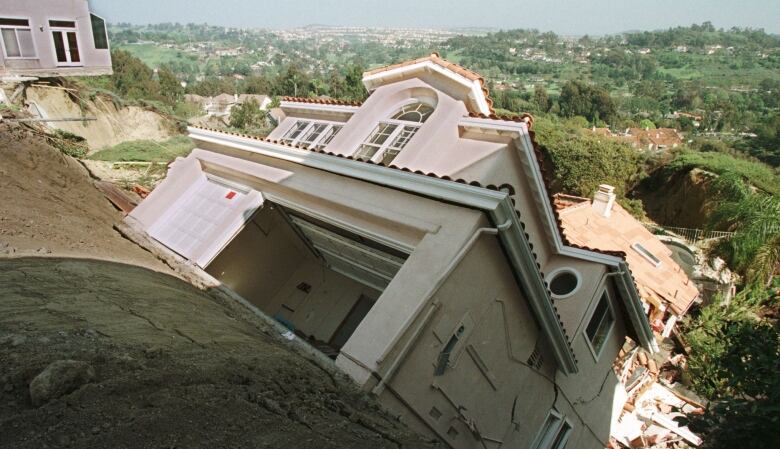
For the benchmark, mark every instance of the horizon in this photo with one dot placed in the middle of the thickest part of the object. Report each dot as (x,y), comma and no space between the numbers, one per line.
(563,17)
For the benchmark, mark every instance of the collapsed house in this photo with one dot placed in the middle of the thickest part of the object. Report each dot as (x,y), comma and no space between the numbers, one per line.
(412,239)
(49,38)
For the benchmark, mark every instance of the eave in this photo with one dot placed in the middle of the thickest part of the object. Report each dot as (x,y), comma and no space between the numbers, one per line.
(495,203)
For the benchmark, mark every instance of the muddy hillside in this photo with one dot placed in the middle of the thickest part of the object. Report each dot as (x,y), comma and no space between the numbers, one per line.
(677,198)
(113,124)
(101,346)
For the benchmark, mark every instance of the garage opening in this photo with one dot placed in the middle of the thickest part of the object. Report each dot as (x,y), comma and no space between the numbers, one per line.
(317,279)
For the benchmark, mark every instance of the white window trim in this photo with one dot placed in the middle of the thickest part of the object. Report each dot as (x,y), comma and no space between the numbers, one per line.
(544,440)
(558,271)
(298,140)
(105,27)
(74,29)
(19,27)
(399,126)
(644,252)
(594,305)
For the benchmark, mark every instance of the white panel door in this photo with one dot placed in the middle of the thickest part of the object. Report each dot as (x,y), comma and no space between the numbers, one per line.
(200,223)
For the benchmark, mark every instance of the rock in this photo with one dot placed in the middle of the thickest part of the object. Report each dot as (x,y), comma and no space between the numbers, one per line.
(8,388)
(58,379)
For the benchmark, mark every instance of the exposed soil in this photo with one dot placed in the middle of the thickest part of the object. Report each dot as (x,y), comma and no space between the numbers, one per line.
(677,199)
(113,125)
(173,365)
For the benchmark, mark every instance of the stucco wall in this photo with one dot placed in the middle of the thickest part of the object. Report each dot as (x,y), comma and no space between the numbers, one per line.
(265,264)
(489,376)
(39,12)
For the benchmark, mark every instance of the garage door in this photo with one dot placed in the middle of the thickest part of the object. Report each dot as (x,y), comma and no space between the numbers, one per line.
(201,222)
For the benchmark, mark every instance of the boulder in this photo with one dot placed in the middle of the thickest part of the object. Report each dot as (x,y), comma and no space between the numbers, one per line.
(58,379)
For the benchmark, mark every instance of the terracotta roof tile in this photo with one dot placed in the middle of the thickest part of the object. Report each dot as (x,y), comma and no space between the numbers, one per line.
(583,226)
(327,101)
(438,60)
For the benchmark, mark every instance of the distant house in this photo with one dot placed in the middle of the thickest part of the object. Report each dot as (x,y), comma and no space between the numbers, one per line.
(47,38)
(222,104)
(411,238)
(644,138)
(601,223)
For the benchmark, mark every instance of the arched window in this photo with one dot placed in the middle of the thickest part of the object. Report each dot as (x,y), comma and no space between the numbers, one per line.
(391,136)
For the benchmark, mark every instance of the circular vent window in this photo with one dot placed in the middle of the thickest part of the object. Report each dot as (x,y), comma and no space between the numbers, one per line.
(563,283)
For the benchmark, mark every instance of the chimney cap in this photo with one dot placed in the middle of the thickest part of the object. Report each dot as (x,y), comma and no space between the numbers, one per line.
(606,188)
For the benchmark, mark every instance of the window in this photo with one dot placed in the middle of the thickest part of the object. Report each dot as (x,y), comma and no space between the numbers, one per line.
(99,35)
(599,325)
(17,39)
(311,134)
(554,433)
(62,24)
(563,282)
(391,136)
(644,252)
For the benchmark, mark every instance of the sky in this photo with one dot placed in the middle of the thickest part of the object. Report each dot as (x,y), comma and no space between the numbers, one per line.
(568,17)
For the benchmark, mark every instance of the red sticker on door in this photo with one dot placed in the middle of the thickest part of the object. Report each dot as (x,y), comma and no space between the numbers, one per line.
(230,195)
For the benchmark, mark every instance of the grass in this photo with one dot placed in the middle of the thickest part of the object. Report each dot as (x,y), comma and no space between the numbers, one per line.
(146,150)
(756,173)
(154,55)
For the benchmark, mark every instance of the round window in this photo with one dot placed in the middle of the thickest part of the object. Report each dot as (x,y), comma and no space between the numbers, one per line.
(564,283)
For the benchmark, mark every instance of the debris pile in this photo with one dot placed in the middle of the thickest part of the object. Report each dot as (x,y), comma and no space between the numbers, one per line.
(656,405)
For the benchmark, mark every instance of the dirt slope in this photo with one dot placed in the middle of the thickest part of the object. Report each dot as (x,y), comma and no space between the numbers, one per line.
(174,367)
(113,126)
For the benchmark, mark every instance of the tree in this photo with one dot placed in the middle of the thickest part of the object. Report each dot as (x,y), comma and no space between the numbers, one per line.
(754,217)
(170,86)
(248,115)
(132,78)
(541,98)
(591,102)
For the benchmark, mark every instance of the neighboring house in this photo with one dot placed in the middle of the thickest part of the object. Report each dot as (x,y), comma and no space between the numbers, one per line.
(222,104)
(412,239)
(46,38)
(601,223)
(644,138)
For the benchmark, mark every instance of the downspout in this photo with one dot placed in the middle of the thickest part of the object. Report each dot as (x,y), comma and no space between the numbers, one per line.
(431,308)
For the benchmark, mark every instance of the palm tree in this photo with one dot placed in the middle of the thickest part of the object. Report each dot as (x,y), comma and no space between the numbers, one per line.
(755,219)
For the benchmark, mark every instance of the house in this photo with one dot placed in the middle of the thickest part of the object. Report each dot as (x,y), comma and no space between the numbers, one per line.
(658,139)
(412,239)
(48,38)
(221,105)
(665,289)
(644,138)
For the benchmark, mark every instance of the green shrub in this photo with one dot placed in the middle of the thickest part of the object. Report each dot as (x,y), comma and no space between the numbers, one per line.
(146,150)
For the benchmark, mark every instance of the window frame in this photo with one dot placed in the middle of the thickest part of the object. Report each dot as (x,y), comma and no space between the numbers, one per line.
(400,125)
(558,271)
(27,27)
(66,29)
(105,31)
(317,142)
(603,293)
(549,434)
(647,254)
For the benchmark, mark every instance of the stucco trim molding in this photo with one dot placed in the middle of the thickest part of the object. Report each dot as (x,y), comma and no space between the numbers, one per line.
(496,204)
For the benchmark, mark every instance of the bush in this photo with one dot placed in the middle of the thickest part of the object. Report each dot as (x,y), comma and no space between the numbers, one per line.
(71,144)
(146,150)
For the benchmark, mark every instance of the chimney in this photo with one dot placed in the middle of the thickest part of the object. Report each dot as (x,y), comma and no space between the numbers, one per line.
(604,199)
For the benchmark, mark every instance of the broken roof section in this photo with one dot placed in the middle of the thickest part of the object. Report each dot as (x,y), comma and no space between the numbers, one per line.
(468,86)
(659,279)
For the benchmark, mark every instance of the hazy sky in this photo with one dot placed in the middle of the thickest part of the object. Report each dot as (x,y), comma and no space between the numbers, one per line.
(562,16)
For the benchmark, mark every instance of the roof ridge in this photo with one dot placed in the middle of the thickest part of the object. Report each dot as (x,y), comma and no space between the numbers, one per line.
(328,101)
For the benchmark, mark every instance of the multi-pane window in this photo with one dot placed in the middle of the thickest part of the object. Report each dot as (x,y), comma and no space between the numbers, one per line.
(392,135)
(599,325)
(554,433)
(311,134)
(17,38)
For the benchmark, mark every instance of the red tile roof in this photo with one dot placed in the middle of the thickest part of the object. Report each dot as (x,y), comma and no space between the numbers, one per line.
(328,101)
(663,284)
